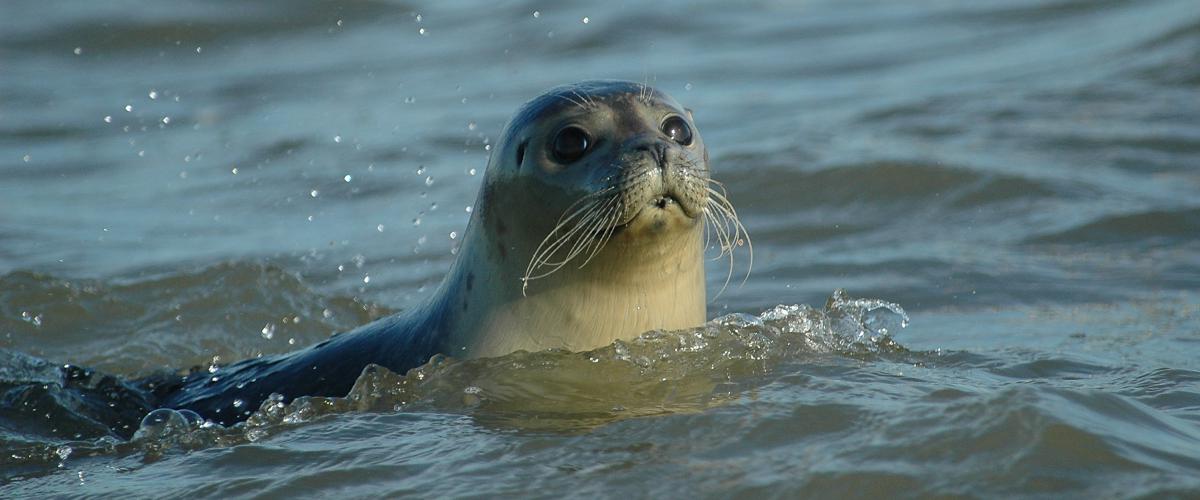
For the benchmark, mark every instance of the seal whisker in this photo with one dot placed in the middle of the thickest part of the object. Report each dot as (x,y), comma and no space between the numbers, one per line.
(585,222)
(572,101)
(740,234)
(610,227)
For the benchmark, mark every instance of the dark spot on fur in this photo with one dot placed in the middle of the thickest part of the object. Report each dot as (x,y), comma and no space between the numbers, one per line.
(501,250)
(500,227)
(470,282)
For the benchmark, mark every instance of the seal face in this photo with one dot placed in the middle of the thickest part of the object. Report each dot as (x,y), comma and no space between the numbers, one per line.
(589,227)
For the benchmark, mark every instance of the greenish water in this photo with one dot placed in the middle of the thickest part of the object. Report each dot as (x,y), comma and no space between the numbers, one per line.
(188,184)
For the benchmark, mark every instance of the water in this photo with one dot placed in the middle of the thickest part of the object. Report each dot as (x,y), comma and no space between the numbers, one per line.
(188,185)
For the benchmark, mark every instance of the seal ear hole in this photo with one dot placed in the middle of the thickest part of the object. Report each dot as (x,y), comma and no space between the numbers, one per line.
(521,152)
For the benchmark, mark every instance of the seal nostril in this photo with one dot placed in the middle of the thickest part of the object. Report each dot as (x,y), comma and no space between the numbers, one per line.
(661,202)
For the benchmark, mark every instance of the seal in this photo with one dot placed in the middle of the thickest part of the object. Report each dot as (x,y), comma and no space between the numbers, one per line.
(589,227)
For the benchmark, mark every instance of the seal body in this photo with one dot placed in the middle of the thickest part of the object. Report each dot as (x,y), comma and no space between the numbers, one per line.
(589,227)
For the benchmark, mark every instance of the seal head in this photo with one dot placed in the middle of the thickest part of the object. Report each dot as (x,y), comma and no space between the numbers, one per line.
(589,226)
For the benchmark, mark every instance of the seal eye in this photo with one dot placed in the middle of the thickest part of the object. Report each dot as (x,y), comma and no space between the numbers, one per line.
(678,130)
(570,144)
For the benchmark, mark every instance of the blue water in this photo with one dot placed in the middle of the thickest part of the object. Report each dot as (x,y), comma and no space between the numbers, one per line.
(1023,177)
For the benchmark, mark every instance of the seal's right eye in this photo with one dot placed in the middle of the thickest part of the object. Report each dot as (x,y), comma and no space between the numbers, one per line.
(570,144)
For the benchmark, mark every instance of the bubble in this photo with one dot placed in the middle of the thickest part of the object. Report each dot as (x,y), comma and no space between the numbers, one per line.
(367,279)
(429,181)
(166,120)
(128,108)
(687,86)
(268,331)
(421,31)
(418,17)
(107,118)
(536,14)
(314,193)
(153,94)
(471,125)
(585,20)
(337,139)
(472,171)
(453,234)
(468,209)
(379,228)
(78,51)
(237,403)
(347,178)
(234,170)
(421,170)
(26,158)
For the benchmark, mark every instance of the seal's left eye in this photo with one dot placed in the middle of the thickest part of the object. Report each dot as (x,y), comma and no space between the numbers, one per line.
(570,144)
(678,130)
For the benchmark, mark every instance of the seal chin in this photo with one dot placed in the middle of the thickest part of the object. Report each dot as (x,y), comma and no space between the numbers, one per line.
(659,214)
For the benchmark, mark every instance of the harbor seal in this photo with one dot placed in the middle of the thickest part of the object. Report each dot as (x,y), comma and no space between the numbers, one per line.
(589,227)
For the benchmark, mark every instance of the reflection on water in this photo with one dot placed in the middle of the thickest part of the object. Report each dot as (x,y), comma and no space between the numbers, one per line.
(184,185)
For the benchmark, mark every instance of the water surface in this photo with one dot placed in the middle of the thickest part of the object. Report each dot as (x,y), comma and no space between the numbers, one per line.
(192,184)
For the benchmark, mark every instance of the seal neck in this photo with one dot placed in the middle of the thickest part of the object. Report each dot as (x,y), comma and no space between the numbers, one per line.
(627,289)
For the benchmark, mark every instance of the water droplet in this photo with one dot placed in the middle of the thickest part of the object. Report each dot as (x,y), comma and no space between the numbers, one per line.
(153,94)
(429,181)
(78,51)
(417,221)
(314,193)
(468,209)
(536,14)
(128,108)
(379,228)
(268,331)
(347,178)
(237,403)
(421,170)
(339,23)
(487,147)
(453,234)
(166,120)
(433,206)
(337,139)
(326,313)
(107,118)
(687,86)
(26,158)
(366,279)
(471,125)
(421,240)
(198,49)
(585,20)
(417,17)
(421,31)
(310,218)
(472,171)
(234,170)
